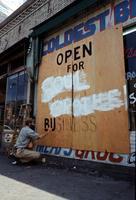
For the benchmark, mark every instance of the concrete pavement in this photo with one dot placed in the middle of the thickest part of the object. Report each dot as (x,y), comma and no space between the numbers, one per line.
(40,182)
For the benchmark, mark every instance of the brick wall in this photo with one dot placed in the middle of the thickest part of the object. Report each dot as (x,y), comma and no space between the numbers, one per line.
(20,26)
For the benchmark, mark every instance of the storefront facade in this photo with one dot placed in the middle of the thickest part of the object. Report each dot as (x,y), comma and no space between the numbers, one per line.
(17,74)
(14,87)
(86,86)
(76,74)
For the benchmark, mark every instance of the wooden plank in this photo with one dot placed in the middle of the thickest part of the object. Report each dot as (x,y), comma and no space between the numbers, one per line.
(84,138)
(62,135)
(105,72)
(112,126)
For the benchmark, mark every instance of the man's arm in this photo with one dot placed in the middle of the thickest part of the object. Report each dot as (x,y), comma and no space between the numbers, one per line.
(33,135)
(43,135)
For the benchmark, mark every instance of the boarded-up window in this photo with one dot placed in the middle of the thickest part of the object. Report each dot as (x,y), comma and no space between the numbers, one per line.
(81,98)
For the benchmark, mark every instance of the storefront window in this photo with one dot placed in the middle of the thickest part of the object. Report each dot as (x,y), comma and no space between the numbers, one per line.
(12,88)
(130,64)
(16,97)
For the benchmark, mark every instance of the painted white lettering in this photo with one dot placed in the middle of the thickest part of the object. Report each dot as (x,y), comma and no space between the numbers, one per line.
(132,98)
(86,105)
(53,86)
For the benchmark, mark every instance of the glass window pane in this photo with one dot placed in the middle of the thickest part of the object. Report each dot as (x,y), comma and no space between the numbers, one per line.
(16,97)
(11,88)
(22,87)
(130,64)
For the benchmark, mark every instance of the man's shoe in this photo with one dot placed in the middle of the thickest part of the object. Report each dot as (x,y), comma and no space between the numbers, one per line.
(14,162)
(43,160)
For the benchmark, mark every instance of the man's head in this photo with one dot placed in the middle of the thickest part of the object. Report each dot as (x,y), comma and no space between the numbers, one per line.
(28,122)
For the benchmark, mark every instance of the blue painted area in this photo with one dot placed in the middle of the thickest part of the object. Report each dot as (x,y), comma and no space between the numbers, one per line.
(45,150)
(132,8)
(79,32)
(59,45)
(67,152)
(39,148)
(122,12)
(51,46)
(55,150)
(90,27)
(42,149)
(102,19)
(69,37)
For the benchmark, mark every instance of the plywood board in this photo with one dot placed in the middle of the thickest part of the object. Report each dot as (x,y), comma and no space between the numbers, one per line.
(53,77)
(110,76)
(86,112)
(106,76)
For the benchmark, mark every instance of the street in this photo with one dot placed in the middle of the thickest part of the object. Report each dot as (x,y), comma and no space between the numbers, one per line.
(41,182)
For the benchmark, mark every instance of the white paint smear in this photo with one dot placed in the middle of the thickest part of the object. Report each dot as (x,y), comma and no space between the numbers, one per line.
(86,105)
(53,86)
(125,97)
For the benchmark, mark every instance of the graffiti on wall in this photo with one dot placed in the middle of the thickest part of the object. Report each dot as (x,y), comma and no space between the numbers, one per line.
(105,157)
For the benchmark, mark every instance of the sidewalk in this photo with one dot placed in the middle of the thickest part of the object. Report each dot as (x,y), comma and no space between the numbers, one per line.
(40,182)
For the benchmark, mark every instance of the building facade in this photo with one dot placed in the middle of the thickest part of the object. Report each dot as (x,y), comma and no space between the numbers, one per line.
(76,74)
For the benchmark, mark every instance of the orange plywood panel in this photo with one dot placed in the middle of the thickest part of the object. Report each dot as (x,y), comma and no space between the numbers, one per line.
(84,137)
(54,77)
(110,76)
(106,77)
(83,98)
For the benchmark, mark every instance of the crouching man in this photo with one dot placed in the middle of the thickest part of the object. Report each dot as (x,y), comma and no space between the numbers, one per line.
(26,137)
